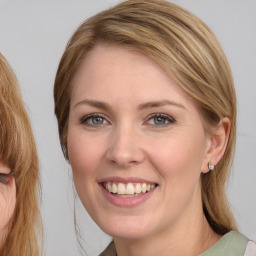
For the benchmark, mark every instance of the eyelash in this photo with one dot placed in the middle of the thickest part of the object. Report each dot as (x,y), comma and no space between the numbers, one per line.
(4,178)
(88,120)
(85,120)
(165,117)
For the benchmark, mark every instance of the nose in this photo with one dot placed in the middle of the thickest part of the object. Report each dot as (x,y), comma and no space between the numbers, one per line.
(125,148)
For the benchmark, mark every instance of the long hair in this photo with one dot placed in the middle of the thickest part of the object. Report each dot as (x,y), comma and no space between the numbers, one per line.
(189,52)
(18,152)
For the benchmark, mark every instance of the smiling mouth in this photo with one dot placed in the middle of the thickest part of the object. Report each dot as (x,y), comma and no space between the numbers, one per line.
(125,190)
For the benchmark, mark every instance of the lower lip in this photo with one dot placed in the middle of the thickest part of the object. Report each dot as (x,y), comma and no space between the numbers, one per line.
(129,201)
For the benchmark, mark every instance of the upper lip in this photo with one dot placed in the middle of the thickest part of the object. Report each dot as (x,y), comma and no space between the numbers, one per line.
(125,180)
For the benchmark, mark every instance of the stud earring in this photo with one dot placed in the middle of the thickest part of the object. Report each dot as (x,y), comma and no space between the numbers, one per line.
(210,166)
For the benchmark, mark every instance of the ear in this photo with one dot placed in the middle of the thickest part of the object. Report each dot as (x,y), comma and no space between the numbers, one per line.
(218,140)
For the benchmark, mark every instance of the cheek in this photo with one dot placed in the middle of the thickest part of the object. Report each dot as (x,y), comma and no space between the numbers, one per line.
(84,154)
(178,163)
(178,158)
(7,203)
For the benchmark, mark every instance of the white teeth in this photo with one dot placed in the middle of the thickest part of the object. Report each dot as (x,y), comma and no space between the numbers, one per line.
(152,186)
(138,188)
(144,188)
(128,189)
(114,188)
(121,189)
(109,187)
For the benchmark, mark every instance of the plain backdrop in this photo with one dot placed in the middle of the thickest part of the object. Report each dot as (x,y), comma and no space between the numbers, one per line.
(33,35)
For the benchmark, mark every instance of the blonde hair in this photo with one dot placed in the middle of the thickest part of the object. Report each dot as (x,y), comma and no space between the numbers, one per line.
(18,151)
(189,52)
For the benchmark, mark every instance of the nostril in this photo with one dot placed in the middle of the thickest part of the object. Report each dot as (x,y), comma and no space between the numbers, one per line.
(125,158)
(124,149)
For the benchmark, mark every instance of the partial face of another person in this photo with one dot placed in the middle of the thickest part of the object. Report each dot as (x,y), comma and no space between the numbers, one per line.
(136,144)
(7,198)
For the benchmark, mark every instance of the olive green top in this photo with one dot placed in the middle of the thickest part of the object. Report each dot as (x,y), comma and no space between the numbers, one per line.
(231,244)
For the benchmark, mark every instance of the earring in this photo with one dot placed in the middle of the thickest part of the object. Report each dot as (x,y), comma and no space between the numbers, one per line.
(210,166)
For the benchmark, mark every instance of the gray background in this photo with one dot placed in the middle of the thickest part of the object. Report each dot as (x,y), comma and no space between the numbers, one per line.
(33,35)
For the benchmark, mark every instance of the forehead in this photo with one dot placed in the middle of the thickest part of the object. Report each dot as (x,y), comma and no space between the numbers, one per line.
(123,71)
(4,168)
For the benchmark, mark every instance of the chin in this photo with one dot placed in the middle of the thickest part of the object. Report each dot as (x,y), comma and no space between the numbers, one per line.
(126,227)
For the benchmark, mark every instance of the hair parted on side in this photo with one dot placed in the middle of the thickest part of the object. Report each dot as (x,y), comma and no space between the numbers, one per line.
(189,52)
(18,152)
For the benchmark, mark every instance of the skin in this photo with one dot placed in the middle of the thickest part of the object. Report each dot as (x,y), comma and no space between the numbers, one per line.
(7,202)
(128,141)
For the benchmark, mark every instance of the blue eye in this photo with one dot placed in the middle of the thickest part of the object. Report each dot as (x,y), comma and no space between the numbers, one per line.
(94,120)
(160,120)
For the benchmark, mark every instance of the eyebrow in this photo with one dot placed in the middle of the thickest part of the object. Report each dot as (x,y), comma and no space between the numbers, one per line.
(94,103)
(155,104)
(147,105)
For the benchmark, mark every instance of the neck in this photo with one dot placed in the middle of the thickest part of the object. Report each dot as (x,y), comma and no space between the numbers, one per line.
(190,239)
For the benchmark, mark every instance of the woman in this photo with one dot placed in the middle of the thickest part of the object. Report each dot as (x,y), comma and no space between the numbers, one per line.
(19,177)
(146,112)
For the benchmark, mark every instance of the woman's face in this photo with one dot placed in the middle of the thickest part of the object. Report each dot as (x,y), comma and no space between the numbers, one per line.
(7,198)
(136,144)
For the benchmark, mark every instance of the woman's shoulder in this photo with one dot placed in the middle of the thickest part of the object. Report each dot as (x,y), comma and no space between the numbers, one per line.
(250,249)
(232,244)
